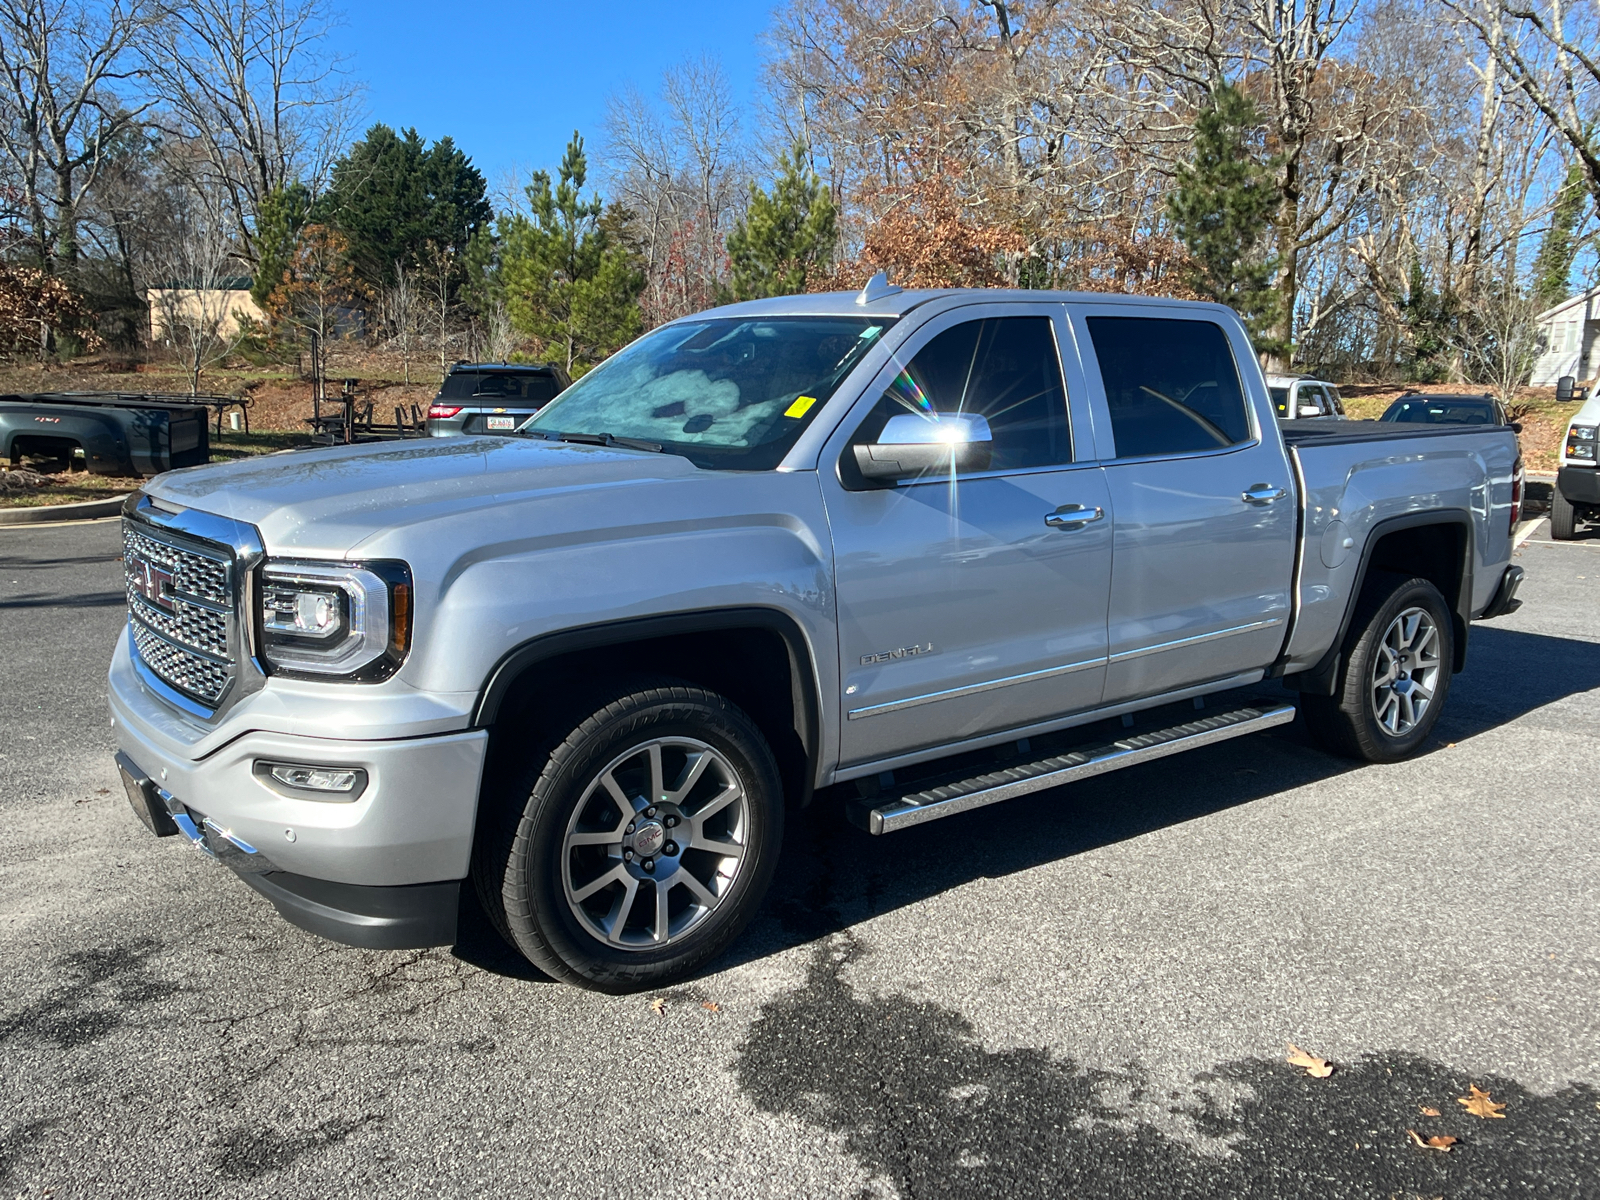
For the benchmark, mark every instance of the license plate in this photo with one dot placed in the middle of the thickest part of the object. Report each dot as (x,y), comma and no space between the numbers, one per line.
(146,804)
(501,422)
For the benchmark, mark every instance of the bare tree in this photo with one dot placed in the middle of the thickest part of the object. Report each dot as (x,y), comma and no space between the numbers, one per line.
(1547,49)
(500,340)
(252,85)
(437,276)
(679,167)
(400,303)
(61,64)
(195,301)
(1506,342)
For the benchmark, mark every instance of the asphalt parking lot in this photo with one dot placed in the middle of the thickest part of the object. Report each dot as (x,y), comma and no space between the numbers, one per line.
(1083,993)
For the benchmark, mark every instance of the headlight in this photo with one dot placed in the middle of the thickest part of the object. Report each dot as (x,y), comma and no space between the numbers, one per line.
(1581,442)
(332,619)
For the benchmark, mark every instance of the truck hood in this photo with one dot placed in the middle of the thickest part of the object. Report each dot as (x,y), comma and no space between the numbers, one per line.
(325,502)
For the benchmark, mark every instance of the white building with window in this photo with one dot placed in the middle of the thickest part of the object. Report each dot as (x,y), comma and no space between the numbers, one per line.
(1569,331)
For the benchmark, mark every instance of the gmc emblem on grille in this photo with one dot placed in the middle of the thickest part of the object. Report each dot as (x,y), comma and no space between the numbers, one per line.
(152,582)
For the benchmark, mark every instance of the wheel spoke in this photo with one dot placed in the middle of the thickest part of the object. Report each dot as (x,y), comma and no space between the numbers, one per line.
(621,909)
(1408,711)
(717,846)
(701,892)
(620,797)
(616,874)
(594,837)
(695,768)
(663,892)
(1408,628)
(717,803)
(1386,700)
(657,783)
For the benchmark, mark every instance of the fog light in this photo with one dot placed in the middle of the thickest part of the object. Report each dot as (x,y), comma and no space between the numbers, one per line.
(308,781)
(318,779)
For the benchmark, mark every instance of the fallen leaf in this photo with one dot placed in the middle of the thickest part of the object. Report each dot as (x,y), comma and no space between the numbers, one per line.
(107,792)
(711,1006)
(1317,1068)
(1439,1141)
(1479,1104)
(658,1006)
(1429,1112)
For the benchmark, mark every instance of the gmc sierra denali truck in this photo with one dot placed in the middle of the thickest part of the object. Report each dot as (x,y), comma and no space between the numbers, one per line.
(926,550)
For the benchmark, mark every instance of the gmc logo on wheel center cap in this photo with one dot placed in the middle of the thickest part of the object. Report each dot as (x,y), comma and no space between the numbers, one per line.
(152,582)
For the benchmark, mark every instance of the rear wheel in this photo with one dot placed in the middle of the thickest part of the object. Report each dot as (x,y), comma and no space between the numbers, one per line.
(1395,673)
(1563,517)
(635,848)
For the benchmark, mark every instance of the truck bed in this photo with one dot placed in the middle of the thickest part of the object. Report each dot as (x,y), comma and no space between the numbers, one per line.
(1323,432)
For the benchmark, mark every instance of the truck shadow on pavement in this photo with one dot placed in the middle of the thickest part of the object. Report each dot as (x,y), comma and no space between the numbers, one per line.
(918,1101)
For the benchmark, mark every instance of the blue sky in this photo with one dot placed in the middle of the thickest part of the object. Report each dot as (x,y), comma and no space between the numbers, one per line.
(511,81)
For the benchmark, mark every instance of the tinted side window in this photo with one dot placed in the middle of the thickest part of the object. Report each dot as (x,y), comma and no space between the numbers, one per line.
(1172,386)
(1005,369)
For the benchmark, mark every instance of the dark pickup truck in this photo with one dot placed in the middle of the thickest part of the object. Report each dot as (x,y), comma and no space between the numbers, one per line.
(115,433)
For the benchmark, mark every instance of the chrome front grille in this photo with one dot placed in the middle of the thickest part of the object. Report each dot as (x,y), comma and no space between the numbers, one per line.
(181,610)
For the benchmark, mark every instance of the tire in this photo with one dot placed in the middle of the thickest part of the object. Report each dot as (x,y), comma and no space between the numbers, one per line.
(574,881)
(1563,517)
(1367,718)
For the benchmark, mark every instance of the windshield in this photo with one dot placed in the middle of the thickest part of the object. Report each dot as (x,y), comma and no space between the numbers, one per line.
(728,393)
(1280,400)
(1442,412)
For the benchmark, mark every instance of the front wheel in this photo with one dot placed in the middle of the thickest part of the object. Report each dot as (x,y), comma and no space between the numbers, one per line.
(1563,517)
(1395,673)
(639,846)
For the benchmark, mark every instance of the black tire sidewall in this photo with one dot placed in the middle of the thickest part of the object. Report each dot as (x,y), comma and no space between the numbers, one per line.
(535,902)
(1378,745)
(1563,517)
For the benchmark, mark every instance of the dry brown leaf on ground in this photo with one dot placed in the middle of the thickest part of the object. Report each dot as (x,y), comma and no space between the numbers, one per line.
(1429,1112)
(1439,1141)
(1479,1104)
(1317,1068)
(712,1006)
(658,1006)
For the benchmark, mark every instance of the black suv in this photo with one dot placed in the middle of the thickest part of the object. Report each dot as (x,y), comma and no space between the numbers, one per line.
(492,397)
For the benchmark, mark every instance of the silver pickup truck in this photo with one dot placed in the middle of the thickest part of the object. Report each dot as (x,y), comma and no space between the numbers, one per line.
(912,551)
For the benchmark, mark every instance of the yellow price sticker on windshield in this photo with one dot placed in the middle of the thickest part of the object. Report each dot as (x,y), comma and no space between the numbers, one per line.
(800,407)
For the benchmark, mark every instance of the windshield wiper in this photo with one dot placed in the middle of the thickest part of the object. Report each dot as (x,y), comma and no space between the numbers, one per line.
(606,439)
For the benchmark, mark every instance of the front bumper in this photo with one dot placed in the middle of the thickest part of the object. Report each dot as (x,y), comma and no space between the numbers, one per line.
(403,917)
(1580,485)
(411,824)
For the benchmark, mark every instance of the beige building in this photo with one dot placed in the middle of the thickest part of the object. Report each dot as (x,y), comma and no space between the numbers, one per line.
(228,305)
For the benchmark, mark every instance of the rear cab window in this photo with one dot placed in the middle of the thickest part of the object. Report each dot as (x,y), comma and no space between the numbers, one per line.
(1172,386)
(497,388)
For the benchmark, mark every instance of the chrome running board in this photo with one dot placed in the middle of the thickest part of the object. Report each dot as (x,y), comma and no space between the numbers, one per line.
(880,814)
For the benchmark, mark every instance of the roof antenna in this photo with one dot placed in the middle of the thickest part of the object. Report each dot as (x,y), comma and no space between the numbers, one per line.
(877,288)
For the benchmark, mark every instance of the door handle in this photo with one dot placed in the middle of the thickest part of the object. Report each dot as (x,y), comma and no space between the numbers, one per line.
(1263,493)
(1074,516)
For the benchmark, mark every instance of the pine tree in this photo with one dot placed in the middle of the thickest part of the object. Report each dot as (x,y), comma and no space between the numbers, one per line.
(1552,268)
(786,237)
(569,283)
(1222,210)
(391,197)
(283,215)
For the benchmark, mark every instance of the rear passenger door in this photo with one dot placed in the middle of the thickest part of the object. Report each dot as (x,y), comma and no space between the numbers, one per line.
(1204,503)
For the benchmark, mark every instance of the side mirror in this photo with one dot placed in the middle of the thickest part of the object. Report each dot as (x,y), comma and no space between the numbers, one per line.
(912,445)
(1567,390)
(1310,410)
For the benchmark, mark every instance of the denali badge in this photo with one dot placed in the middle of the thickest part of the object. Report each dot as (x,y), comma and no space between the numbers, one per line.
(868,660)
(152,582)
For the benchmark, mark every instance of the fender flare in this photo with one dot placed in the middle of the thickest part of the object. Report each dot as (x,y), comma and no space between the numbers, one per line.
(1319,679)
(804,692)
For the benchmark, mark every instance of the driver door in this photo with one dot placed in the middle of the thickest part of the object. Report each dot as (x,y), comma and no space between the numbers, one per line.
(962,612)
